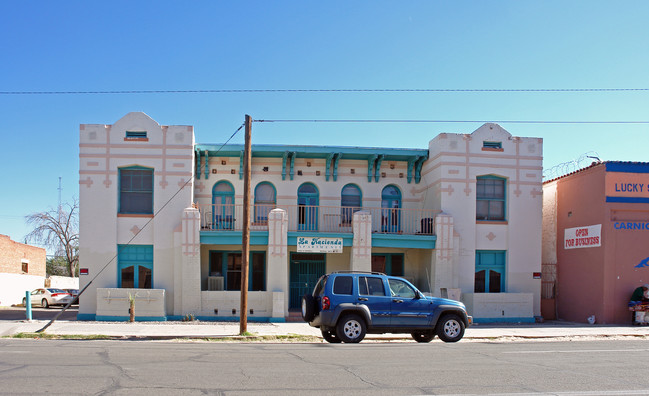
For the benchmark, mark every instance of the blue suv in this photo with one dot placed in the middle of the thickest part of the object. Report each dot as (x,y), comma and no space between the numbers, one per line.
(347,305)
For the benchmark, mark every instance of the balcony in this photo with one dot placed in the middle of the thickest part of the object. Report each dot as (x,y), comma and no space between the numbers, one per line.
(335,219)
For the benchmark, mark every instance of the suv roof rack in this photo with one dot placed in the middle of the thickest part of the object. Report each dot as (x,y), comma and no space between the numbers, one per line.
(358,272)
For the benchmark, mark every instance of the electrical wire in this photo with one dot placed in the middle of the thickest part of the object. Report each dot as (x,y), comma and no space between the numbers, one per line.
(456,121)
(134,236)
(350,90)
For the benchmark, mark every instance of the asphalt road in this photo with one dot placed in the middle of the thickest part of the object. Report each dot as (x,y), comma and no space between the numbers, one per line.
(600,367)
(38,313)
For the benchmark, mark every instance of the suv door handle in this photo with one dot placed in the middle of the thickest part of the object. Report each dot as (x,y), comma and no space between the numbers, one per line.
(362,299)
(397,301)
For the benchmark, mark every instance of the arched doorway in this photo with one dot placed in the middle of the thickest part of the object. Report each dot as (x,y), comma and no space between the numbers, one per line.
(307,212)
(223,206)
(391,209)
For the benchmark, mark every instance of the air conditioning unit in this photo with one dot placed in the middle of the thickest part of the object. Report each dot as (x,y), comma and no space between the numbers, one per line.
(214,283)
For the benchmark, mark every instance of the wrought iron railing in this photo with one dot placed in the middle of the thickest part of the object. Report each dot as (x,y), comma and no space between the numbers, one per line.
(319,218)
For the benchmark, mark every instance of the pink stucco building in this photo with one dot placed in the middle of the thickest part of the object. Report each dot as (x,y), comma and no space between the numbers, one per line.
(595,241)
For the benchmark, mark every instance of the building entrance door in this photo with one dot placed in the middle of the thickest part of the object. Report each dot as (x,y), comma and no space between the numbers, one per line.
(306,269)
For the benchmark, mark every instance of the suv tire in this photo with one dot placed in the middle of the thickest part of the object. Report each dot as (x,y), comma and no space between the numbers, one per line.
(351,328)
(423,336)
(308,307)
(330,336)
(450,328)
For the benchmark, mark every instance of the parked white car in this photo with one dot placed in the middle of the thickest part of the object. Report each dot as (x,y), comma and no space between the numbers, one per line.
(47,297)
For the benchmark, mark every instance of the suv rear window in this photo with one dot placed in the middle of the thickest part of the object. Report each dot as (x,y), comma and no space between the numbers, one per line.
(370,286)
(320,286)
(343,285)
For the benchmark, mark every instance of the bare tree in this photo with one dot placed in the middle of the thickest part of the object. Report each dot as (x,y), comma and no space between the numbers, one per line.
(58,230)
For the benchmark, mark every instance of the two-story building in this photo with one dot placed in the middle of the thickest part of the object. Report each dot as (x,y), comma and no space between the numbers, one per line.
(161,220)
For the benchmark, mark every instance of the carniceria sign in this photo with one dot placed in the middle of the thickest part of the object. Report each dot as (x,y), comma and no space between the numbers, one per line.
(319,245)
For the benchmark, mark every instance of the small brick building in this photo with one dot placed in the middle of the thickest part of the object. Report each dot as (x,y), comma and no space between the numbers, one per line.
(19,258)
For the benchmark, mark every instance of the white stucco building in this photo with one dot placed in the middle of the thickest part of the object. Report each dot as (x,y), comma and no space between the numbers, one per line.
(160,219)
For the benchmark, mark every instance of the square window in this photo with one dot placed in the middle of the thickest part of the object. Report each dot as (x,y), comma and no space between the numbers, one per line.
(490,198)
(136,190)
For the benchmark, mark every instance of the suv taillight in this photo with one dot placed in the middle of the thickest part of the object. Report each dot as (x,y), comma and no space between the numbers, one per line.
(325,303)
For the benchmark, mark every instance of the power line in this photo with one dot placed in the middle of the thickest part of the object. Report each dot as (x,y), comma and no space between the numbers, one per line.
(191,179)
(456,121)
(350,90)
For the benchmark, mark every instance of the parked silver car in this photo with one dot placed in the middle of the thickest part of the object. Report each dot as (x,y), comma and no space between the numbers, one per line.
(48,297)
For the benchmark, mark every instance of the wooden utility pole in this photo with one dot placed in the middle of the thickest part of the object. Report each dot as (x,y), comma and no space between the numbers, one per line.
(245,251)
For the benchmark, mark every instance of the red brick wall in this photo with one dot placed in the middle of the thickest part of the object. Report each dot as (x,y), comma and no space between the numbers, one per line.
(13,254)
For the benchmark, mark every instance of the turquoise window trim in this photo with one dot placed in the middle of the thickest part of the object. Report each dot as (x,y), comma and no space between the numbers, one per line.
(493,145)
(388,262)
(224,266)
(503,199)
(136,256)
(224,202)
(391,219)
(260,205)
(492,260)
(119,189)
(347,211)
(136,134)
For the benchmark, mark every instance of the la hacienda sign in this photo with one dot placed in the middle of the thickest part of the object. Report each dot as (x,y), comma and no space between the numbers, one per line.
(319,245)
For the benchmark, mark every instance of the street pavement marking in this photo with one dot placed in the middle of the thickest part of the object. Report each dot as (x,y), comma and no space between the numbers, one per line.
(578,351)
(576,393)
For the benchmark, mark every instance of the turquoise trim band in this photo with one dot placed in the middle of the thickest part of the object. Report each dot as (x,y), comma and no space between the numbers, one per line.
(233,237)
(404,241)
(86,317)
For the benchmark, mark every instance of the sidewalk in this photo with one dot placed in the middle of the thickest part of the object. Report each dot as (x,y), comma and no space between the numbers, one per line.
(169,330)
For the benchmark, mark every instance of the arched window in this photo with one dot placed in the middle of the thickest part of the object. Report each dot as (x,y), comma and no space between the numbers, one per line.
(390,209)
(307,201)
(265,200)
(223,206)
(350,202)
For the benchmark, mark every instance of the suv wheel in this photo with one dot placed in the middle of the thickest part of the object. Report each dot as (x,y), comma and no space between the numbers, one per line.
(423,336)
(351,328)
(450,328)
(330,336)
(308,307)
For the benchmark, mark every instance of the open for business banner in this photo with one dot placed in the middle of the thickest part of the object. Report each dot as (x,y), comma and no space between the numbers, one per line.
(582,237)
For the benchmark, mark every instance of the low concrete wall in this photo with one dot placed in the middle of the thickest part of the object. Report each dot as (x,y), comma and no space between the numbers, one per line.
(227,304)
(500,307)
(14,286)
(113,304)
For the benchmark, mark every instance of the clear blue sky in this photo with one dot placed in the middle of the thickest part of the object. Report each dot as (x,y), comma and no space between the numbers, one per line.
(164,45)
